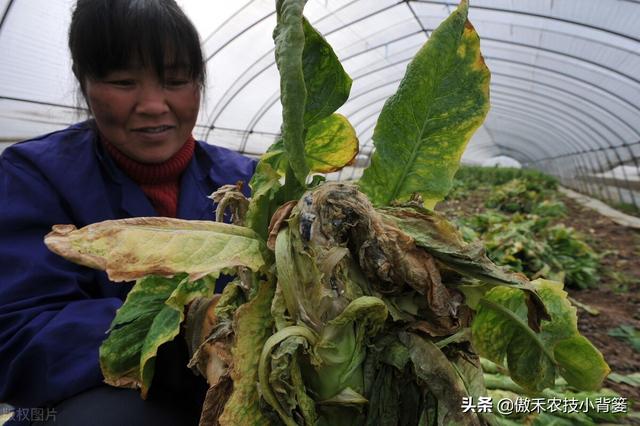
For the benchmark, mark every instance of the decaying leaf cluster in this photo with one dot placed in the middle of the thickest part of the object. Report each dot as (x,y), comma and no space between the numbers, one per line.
(354,305)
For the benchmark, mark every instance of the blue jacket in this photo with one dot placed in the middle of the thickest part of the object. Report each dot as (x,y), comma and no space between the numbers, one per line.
(54,313)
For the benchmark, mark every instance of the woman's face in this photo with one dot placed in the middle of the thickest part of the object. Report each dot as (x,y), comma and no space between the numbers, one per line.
(146,119)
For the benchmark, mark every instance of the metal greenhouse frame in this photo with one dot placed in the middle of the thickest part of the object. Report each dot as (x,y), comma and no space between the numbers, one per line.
(565,88)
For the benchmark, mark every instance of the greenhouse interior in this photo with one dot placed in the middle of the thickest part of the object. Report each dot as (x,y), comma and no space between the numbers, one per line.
(565,91)
(548,182)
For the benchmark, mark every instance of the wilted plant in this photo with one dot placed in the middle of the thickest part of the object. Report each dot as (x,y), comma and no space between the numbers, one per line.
(517,196)
(352,305)
(529,244)
(474,177)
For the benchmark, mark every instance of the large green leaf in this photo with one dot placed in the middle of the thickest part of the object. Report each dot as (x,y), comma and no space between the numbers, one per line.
(424,127)
(120,352)
(150,316)
(166,325)
(313,83)
(289,39)
(334,366)
(327,83)
(331,142)
(500,331)
(128,249)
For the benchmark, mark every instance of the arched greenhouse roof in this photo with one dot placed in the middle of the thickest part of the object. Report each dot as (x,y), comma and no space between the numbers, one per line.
(565,86)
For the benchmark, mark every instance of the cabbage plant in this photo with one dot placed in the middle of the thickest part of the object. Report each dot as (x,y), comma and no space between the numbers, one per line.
(352,304)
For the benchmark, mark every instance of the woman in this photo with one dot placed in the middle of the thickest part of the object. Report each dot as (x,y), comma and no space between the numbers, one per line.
(141,70)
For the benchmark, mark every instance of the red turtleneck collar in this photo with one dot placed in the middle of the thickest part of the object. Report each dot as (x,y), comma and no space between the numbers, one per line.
(160,182)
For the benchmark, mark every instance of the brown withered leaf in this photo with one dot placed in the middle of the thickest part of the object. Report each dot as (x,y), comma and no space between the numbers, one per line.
(215,400)
(211,357)
(128,249)
(231,197)
(337,214)
(277,219)
(440,238)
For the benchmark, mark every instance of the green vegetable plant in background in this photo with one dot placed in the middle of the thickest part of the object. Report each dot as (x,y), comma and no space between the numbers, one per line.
(514,196)
(577,259)
(352,305)
(530,244)
(475,176)
(627,333)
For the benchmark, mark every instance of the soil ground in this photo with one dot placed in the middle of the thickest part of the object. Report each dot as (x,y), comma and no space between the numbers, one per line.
(617,298)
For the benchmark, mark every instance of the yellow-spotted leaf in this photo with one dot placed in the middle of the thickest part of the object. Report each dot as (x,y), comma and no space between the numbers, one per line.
(129,249)
(500,331)
(424,127)
(330,144)
(313,85)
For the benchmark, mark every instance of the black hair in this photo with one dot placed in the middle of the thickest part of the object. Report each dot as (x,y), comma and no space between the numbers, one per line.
(109,35)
